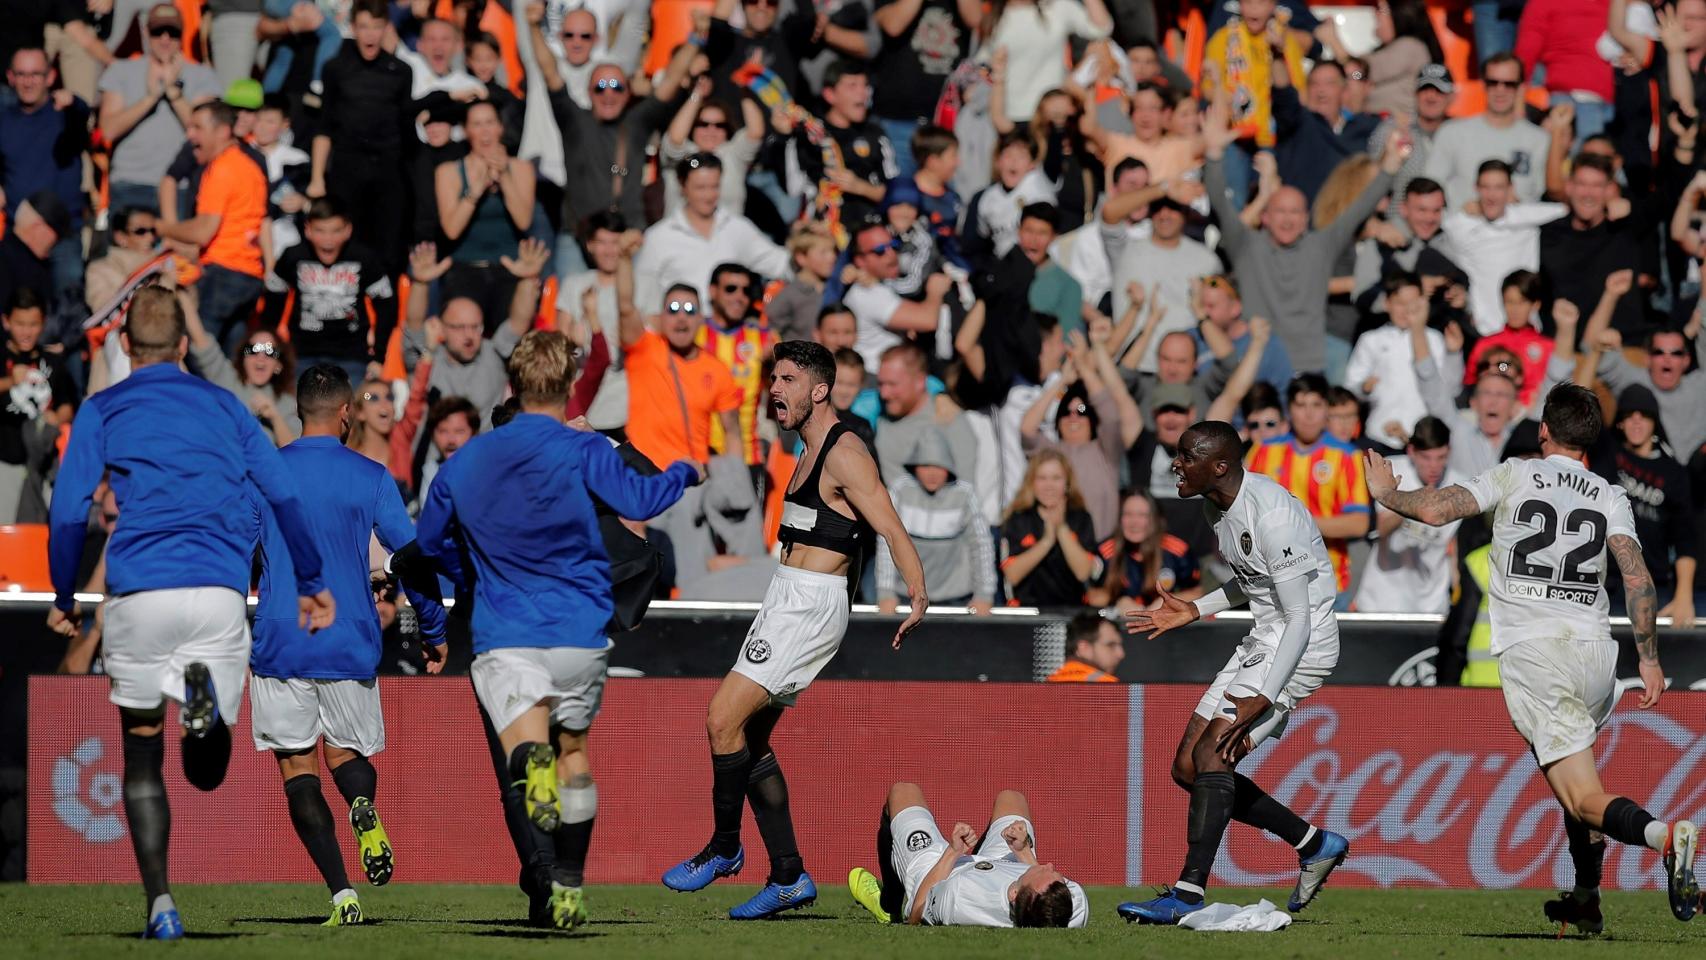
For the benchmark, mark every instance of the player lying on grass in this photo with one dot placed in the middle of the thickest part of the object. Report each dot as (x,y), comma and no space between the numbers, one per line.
(1280,564)
(1553,520)
(963,880)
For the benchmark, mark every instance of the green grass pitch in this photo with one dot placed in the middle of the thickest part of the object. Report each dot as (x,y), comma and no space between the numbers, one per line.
(414,922)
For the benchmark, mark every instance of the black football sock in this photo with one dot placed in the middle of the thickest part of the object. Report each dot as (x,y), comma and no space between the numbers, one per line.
(515,811)
(1253,806)
(356,778)
(146,810)
(1626,822)
(894,889)
(1587,853)
(767,791)
(1211,810)
(730,773)
(574,837)
(544,866)
(206,758)
(315,827)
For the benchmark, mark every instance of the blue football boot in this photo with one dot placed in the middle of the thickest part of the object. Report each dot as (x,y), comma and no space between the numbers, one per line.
(164,925)
(706,866)
(775,898)
(1312,872)
(1166,908)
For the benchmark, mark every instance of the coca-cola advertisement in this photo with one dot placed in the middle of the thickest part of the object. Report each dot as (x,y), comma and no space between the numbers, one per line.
(1432,786)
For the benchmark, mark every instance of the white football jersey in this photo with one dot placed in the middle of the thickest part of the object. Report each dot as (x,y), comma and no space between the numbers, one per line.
(1267,537)
(975,894)
(1409,571)
(1551,520)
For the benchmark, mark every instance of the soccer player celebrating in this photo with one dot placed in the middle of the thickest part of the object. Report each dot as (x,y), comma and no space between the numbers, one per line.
(184,458)
(834,501)
(1552,522)
(515,501)
(309,688)
(1280,564)
(964,881)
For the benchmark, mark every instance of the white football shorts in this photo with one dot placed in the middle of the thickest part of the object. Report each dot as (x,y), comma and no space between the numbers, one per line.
(797,632)
(293,713)
(569,680)
(152,635)
(1559,693)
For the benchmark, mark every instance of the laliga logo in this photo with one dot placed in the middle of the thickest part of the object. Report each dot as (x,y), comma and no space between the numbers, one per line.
(105,789)
(1458,817)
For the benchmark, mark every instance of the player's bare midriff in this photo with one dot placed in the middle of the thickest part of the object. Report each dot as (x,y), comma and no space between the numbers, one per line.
(815,559)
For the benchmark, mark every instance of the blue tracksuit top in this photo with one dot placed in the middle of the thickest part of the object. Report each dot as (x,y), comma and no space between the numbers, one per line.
(350,498)
(514,506)
(183,457)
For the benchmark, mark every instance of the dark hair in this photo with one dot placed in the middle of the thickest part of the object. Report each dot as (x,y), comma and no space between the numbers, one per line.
(321,390)
(1143,45)
(481,37)
(276,101)
(1305,383)
(1051,908)
(1525,282)
(1216,438)
(1045,212)
(813,358)
(1421,187)
(448,407)
(1169,96)
(834,309)
(224,114)
(843,68)
(699,161)
(1129,163)
(1016,138)
(1431,433)
(1046,323)
(732,267)
(1262,396)
(849,357)
(377,9)
(930,140)
(1338,396)
(327,208)
(1572,416)
(1504,56)
(611,220)
(1083,628)
(1494,165)
(1410,19)
(121,220)
(1594,161)
(284,381)
(1398,280)
(25,298)
(1333,65)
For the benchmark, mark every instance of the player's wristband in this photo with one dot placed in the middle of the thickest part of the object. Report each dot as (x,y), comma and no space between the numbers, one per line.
(1213,603)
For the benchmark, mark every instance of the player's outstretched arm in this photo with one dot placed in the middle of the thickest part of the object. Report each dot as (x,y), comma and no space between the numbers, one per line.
(1174,612)
(1435,508)
(856,473)
(631,494)
(1643,612)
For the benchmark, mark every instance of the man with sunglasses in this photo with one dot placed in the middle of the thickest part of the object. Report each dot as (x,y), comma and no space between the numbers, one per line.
(1680,391)
(734,334)
(604,147)
(1501,133)
(135,241)
(145,108)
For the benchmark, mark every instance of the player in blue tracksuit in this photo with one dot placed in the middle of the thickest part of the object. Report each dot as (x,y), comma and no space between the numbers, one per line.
(322,686)
(185,460)
(510,518)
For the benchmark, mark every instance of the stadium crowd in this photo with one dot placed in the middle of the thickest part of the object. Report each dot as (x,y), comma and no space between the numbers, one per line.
(1038,236)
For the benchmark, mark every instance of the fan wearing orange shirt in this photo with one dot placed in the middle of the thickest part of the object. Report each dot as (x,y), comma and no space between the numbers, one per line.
(230,215)
(676,389)
(1322,471)
(1097,648)
(742,343)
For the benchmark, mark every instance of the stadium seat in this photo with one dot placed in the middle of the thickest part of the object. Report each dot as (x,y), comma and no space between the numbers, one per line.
(23,558)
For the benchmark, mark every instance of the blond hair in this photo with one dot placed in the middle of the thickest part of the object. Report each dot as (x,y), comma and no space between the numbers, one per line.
(1026,498)
(808,235)
(541,368)
(1342,187)
(154,325)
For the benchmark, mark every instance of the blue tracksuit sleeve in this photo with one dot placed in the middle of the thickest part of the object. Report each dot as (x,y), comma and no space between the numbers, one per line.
(391,523)
(435,528)
(628,493)
(266,470)
(68,518)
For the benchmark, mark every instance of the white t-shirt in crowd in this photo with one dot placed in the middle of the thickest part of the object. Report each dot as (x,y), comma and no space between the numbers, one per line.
(1387,355)
(1409,571)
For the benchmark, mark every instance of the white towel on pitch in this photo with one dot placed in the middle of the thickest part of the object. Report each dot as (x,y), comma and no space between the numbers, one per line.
(1263,917)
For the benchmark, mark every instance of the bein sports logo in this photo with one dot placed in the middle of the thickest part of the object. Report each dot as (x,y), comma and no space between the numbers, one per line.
(72,805)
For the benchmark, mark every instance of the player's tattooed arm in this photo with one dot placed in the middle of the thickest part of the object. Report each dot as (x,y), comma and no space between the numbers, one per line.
(1642,595)
(1435,507)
